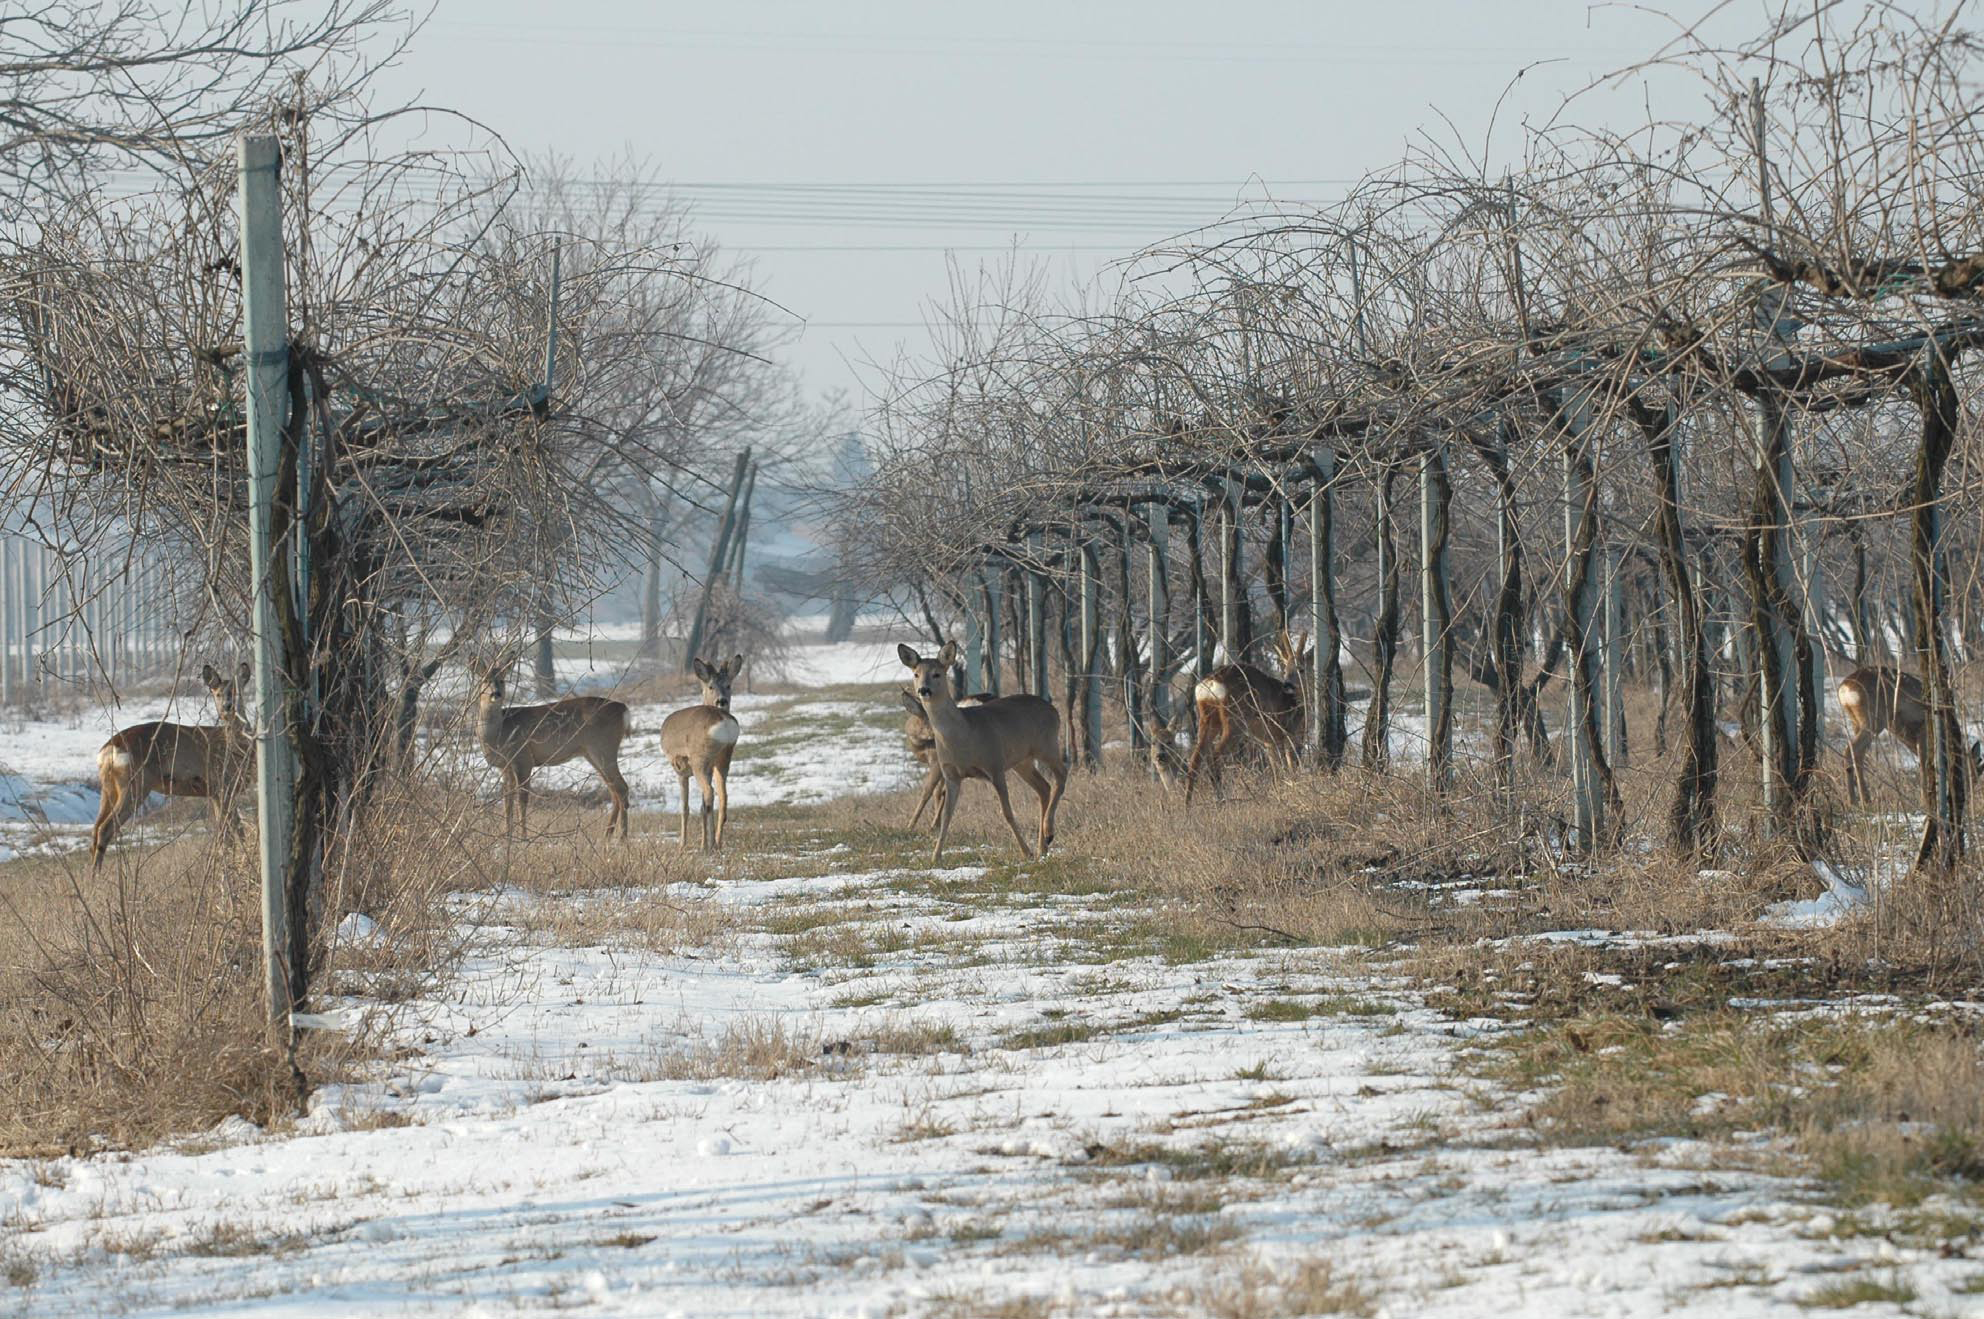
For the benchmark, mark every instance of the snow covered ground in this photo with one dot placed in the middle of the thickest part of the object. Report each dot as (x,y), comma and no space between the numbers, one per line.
(993,1112)
(840,1085)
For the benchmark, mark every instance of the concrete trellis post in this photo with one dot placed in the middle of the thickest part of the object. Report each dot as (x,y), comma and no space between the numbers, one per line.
(266,342)
(1326,717)
(1587,805)
(1091,655)
(974,637)
(1230,571)
(1036,617)
(1614,717)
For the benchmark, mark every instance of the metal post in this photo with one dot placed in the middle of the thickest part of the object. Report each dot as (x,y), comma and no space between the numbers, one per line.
(266,334)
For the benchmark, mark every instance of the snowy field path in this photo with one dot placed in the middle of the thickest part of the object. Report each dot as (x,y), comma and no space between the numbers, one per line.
(826,1079)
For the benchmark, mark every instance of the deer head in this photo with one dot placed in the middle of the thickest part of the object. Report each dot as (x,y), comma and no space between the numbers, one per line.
(716,679)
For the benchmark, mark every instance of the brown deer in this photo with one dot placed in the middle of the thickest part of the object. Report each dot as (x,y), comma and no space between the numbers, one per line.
(179,760)
(1879,698)
(517,739)
(700,740)
(922,744)
(1014,734)
(1242,702)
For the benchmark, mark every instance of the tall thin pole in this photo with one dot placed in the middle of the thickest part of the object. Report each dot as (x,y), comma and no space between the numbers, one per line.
(719,555)
(1036,617)
(1157,609)
(266,335)
(1091,655)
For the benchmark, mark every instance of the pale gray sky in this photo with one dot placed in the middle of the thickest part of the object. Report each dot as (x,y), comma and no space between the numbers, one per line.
(1083,128)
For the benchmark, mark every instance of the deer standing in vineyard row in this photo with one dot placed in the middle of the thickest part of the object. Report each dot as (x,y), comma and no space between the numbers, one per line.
(1012,735)
(517,739)
(922,744)
(1248,704)
(700,740)
(1882,699)
(179,760)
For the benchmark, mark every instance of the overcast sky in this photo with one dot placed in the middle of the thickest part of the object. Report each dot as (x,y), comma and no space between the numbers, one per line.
(849,146)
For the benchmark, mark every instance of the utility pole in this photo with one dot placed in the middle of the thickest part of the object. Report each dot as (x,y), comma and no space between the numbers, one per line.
(266,345)
(719,554)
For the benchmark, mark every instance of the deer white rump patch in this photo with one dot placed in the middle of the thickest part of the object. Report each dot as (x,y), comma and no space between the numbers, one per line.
(1210,689)
(724,731)
(114,755)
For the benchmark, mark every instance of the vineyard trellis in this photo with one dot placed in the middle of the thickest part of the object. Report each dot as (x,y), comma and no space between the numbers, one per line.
(1653,390)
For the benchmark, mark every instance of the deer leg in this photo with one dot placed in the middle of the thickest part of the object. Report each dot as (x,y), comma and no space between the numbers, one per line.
(1199,743)
(111,814)
(523,805)
(683,837)
(703,779)
(931,782)
(722,778)
(952,784)
(616,788)
(1029,772)
(1058,767)
(1856,767)
(1006,809)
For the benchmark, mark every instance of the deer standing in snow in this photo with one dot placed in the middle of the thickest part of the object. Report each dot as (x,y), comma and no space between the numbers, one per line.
(1014,734)
(700,740)
(179,760)
(922,744)
(517,739)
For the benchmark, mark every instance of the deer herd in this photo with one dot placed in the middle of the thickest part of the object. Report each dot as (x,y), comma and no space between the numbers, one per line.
(1239,707)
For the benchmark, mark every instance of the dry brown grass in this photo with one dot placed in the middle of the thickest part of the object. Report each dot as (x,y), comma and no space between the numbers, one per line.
(130,999)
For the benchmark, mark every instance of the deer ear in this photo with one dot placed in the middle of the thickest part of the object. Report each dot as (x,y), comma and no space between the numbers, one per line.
(247,673)
(948,655)
(209,675)
(736,665)
(700,667)
(910,659)
(911,704)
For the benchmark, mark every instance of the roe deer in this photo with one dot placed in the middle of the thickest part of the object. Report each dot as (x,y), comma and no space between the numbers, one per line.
(1014,734)
(1240,700)
(179,760)
(922,744)
(1879,698)
(517,739)
(700,740)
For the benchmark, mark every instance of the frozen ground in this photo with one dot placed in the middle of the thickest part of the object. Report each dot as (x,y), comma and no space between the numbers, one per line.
(877,1090)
